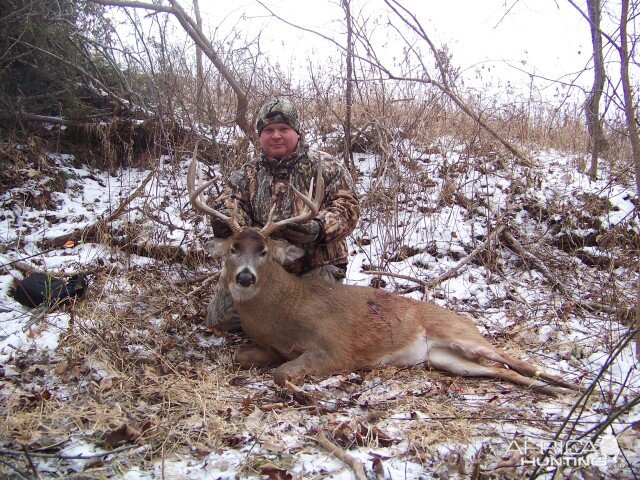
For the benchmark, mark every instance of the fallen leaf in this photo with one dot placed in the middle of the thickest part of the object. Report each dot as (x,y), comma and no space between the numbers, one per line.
(123,434)
(303,398)
(68,370)
(375,434)
(233,440)
(28,438)
(106,383)
(201,452)
(510,461)
(378,468)
(253,420)
(274,473)
(95,462)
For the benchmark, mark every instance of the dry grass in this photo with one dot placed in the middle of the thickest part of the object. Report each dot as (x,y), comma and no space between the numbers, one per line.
(138,355)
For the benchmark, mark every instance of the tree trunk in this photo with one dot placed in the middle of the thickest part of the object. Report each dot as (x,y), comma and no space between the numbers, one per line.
(592,106)
(629,107)
(348,153)
(632,126)
(199,68)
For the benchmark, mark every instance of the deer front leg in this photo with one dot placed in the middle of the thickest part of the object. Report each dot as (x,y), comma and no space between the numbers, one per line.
(256,356)
(311,362)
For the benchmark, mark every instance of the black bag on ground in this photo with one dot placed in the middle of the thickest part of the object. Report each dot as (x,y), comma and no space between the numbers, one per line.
(40,288)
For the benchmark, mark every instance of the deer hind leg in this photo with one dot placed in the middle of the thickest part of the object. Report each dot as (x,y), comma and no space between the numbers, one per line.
(458,364)
(488,351)
(256,356)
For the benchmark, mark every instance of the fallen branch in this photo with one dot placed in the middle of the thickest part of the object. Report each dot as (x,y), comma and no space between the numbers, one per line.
(396,275)
(163,253)
(457,270)
(32,466)
(453,272)
(32,117)
(93,230)
(620,311)
(202,284)
(18,453)
(514,245)
(357,467)
(19,265)
(19,474)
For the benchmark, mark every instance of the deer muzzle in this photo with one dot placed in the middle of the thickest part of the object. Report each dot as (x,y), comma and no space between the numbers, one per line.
(245,278)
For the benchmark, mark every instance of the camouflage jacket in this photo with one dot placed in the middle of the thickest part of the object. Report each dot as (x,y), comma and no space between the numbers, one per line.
(260,184)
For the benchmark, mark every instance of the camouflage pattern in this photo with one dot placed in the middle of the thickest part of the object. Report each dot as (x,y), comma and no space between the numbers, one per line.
(278,110)
(259,185)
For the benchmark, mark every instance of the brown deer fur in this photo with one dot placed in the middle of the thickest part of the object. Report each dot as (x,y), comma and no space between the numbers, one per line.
(319,329)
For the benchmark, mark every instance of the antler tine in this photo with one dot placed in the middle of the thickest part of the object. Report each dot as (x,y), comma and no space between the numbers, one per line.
(312,206)
(196,191)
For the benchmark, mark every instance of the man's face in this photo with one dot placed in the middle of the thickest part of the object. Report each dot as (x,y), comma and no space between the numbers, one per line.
(278,140)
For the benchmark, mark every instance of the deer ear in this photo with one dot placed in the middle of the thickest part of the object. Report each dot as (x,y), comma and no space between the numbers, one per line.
(284,252)
(216,246)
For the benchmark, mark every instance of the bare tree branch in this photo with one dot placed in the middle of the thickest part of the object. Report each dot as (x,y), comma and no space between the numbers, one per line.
(18,12)
(443,85)
(593,25)
(201,41)
(86,75)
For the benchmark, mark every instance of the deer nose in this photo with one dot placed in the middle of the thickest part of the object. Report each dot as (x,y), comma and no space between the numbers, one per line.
(245,278)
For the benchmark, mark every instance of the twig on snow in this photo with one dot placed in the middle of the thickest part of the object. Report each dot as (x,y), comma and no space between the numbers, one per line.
(17,472)
(17,453)
(397,275)
(32,466)
(294,387)
(514,245)
(103,222)
(357,467)
(203,284)
(453,272)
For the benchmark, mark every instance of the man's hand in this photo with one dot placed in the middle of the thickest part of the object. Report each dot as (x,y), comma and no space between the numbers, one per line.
(300,234)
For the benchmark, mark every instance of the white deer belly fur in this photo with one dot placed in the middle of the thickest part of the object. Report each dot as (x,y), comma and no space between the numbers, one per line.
(414,353)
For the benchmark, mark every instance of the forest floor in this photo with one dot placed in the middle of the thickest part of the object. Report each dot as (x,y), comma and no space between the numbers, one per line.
(128,382)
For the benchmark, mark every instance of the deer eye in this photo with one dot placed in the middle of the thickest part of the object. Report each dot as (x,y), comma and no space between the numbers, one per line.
(232,250)
(263,253)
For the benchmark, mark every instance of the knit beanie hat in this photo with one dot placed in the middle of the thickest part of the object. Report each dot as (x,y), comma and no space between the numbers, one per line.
(278,110)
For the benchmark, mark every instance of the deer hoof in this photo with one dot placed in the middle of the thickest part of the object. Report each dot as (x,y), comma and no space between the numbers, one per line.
(282,377)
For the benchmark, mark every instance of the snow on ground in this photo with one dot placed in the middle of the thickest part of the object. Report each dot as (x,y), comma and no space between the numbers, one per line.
(406,423)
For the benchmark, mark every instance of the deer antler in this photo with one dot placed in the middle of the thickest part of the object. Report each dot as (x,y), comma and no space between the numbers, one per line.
(195,192)
(311,205)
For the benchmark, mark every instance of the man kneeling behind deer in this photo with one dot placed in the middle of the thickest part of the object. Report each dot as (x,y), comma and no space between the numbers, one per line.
(316,328)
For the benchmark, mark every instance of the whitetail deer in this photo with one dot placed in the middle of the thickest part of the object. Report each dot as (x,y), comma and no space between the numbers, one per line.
(319,329)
